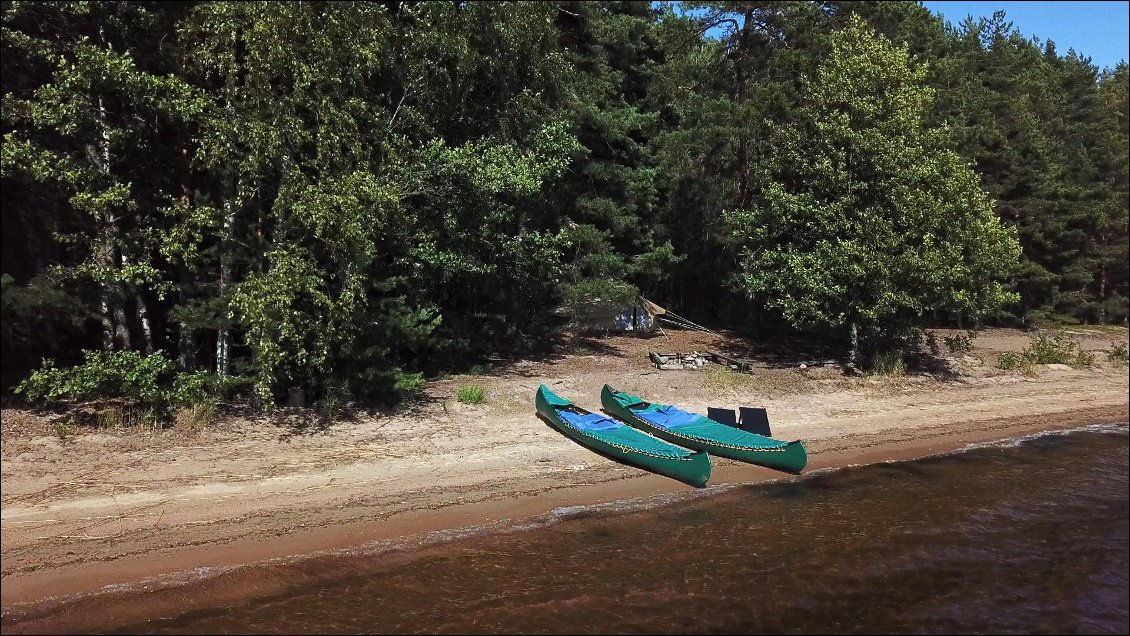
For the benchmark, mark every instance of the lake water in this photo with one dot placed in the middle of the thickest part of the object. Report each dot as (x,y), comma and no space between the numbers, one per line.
(1022,536)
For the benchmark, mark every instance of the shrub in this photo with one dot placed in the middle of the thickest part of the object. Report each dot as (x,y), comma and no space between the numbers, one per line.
(932,344)
(1044,350)
(1009,361)
(1118,355)
(65,427)
(1014,361)
(471,394)
(195,388)
(125,374)
(334,402)
(1057,350)
(408,382)
(960,344)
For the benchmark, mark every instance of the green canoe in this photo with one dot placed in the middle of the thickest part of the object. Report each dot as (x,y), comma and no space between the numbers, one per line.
(700,433)
(620,441)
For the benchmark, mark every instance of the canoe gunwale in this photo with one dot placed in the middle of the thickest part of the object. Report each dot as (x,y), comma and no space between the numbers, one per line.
(692,469)
(751,454)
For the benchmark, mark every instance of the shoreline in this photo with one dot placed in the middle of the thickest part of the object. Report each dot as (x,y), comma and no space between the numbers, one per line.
(102,595)
(94,521)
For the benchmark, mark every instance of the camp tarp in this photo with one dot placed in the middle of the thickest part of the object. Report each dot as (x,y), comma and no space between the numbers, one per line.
(639,316)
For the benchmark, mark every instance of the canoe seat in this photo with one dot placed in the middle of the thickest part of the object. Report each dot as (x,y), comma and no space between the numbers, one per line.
(755,420)
(722,416)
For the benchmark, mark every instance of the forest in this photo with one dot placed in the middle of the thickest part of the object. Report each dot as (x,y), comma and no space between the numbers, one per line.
(352,197)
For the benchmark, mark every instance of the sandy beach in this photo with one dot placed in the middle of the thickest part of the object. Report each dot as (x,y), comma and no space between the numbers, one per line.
(102,508)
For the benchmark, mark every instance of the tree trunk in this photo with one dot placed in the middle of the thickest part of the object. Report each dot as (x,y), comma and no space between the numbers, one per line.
(231,206)
(223,338)
(853,355)
(186,349)
(143,320)
(141,310)
(115,331)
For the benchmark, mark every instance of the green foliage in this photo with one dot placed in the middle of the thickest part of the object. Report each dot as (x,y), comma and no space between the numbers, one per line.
(64,427)
(125,374)
(409,382)
(334,401)
(1013,361)
(471,394)
(868,219)
(148,384)
(890,364)
(932,344)
(203,388)
(1118,355)
(1058,349)
(961,343)
(326,194)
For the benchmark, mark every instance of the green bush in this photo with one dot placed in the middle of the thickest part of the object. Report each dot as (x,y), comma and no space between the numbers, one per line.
(408,382)
(1118,355)
(140,391)
(960,344)
(1044,350)
(471,394)
(65,427)
(114,374)
(1014,361)
(1057,350)
(932,344)
(194,388)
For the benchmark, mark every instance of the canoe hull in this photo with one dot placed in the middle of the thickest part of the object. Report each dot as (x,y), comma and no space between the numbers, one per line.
(792,458)
(693,470)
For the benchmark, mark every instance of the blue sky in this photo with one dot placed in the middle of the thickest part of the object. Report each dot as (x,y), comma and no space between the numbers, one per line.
(1100,30)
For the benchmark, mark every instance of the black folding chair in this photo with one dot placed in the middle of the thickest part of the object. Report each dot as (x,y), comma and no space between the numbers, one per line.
(722,416)
(754,420)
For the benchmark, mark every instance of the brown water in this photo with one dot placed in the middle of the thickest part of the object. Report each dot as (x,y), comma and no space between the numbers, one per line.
(1027,536)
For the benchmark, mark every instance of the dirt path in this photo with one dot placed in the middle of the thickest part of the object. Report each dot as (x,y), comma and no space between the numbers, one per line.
(97,509)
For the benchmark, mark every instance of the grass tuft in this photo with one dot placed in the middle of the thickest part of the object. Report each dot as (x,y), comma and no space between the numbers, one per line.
(194,417)
(720,379)
(889,364)
(471,394)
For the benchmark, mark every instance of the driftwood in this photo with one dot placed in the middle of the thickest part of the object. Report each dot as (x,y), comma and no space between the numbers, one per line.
(737,364)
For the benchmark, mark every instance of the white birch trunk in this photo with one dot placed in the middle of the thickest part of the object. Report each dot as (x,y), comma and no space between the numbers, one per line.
(223,337)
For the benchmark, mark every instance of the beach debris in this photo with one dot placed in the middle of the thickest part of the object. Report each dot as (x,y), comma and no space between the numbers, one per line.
(675,360)
(737,364)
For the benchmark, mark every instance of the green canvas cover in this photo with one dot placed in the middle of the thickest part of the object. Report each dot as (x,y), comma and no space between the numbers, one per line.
(702,427)
(629,437)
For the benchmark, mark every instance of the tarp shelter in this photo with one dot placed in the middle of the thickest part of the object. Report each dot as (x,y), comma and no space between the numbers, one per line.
(639,316)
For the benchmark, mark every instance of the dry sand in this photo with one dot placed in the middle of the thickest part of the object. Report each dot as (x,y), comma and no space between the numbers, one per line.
(103,508)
